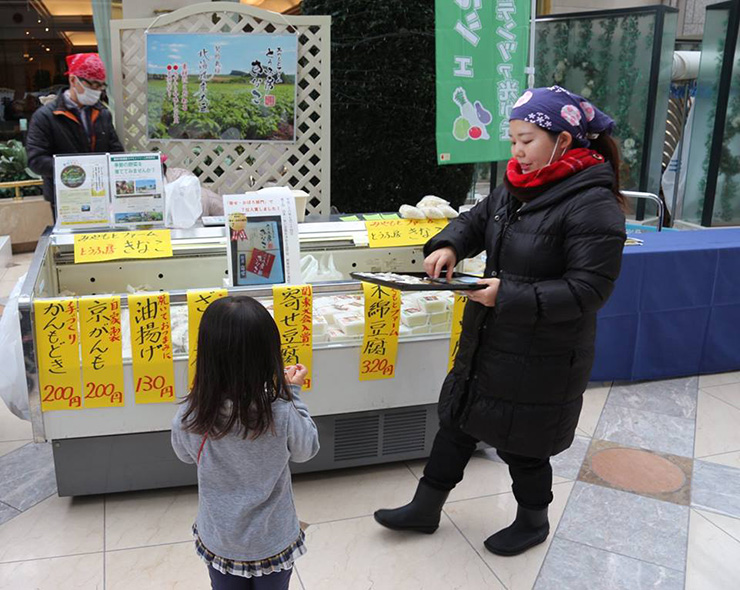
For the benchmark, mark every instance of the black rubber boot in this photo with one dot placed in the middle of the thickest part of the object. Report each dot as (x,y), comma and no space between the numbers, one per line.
(530,528)
(421,514)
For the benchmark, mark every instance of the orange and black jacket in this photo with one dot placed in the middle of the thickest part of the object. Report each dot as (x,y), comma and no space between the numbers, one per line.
(55,129)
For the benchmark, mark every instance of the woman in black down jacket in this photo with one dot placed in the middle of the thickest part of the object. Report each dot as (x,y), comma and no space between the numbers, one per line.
(553,236)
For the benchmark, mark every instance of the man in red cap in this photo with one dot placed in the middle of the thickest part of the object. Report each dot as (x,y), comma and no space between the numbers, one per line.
(75,123)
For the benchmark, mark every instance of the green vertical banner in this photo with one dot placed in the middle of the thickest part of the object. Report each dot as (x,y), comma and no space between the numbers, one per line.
(481,58)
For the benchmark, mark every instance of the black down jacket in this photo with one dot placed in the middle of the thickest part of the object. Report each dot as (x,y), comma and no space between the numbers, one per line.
(523,365)
(55,130)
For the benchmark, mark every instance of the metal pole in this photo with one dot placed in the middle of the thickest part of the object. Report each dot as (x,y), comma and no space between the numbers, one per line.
(532,26)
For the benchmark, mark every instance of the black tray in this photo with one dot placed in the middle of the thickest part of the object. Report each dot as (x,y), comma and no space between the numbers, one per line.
(460,282)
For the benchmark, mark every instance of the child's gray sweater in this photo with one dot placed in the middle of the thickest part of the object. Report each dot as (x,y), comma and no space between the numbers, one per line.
(245,498)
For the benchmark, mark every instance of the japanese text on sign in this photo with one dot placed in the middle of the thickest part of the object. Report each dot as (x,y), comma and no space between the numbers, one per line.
(151,348)
(457,317)
(58,347)
(402,232)
(198,301)
(508,87)
(380,343)
(294,318)
(102,364)
(98,247)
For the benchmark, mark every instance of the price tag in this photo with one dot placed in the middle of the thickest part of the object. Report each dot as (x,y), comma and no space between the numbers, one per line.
(102,356)
(457,317)
(58,349)
(99,247)
(402,232)
(380,343)
(294,318)
(151,348)
(198,301)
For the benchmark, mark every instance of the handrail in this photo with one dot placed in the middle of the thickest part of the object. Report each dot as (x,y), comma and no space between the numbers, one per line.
(18,185)
(650,197)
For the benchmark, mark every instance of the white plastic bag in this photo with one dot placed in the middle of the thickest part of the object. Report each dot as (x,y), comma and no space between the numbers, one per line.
(183,205)
(13,385)
(319,271)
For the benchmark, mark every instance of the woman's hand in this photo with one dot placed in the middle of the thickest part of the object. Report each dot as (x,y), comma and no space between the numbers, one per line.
(488,295)
(439,259)
(296,374)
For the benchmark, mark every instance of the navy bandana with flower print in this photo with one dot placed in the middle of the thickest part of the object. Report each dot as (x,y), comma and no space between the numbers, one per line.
(557,109)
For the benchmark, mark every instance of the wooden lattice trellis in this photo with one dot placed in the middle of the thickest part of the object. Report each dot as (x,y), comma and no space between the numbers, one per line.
(234,167)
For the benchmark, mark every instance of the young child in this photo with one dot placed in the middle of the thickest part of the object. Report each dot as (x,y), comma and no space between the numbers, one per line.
(241,424)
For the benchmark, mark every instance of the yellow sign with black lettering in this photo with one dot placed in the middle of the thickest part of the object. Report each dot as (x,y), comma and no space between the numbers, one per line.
(402,232)
(380,342)
(457,317)
(99,247)
(58,350)
(198,301)
(293,306)
(102,356)
(151,348)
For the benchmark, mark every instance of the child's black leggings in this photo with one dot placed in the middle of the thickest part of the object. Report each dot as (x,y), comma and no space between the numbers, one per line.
(275,581)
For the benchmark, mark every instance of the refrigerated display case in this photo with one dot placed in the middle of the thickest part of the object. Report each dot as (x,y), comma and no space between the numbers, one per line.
(102,450)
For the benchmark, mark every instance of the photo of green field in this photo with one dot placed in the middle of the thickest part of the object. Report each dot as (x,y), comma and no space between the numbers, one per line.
(227,66)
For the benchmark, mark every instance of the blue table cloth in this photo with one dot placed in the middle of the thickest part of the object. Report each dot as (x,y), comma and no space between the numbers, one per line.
(675,310)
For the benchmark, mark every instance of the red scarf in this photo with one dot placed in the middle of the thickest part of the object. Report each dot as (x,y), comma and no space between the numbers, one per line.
(572,161)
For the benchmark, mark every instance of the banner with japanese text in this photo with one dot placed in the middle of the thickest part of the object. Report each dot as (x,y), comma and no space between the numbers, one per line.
(481,55)
(102,356)
(457,317)
(151,348)
(293,307)
(198,301)
(380,342)
(58,351)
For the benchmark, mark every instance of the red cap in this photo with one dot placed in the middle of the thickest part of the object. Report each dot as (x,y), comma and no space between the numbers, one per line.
(86,65)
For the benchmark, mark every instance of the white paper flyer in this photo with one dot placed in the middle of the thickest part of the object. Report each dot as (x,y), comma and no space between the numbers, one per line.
(81,190)
(263,247)
(137,189)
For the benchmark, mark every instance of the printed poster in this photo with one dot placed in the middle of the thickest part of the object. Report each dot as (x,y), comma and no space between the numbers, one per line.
(137,189)
(81,190)
(481,55)
(263,244)
(225,87)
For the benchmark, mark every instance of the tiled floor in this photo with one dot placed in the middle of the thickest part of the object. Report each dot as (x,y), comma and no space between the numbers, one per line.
(603,537)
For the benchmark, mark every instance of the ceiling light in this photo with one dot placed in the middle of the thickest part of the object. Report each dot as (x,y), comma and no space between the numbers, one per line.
(28,33)
(47,29)
(30,59)
(47,49)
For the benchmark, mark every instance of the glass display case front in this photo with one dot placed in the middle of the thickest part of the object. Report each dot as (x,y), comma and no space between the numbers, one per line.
(360,422)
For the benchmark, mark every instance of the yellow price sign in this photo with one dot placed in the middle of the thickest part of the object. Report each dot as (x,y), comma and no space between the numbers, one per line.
(293,306)
(380,342)
(386,233)
(99,247)
(198,301)
(58,350)
(102,355)
(457,317)
(151,348)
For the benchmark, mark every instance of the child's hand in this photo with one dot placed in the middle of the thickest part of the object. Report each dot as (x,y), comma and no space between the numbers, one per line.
(296,374)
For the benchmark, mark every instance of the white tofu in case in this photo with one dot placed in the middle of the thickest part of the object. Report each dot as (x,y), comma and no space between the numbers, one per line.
(413,317)
(350,323)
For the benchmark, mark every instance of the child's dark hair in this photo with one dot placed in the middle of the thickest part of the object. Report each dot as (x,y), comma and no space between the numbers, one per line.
(239,372)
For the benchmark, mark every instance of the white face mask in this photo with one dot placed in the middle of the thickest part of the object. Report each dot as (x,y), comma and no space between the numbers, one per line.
(88,96)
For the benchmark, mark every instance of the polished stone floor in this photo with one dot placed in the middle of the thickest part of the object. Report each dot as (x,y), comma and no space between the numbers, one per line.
(648,496)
